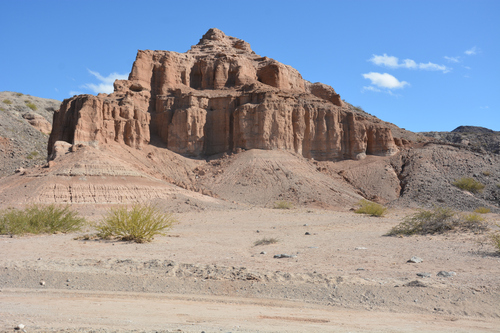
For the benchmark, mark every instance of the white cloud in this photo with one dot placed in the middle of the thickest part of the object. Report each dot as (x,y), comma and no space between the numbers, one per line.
(385,60)
(371,88)
(471,51)
(393,62)
(106,85)
(452,59)
(434,67)
(484,107)
(73,93)
(385,80)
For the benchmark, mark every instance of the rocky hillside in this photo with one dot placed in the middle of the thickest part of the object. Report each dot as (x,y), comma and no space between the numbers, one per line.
(25,125)
(478,138)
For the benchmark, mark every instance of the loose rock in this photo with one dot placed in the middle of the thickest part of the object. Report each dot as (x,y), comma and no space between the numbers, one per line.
(284,255)
(424,275)
(446,274)
(415,260)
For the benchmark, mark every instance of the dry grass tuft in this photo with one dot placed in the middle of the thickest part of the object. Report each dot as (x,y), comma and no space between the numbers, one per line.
(482,210)
(283,204)
(469,184)
(370,208)
(37,219)
(140,224)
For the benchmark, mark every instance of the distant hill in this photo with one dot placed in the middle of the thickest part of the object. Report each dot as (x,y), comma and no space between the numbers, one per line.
(479,138)
(25,125)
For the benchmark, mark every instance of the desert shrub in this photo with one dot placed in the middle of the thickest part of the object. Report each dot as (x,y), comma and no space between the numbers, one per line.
(19,94)
(436,221)
(469,184)
(370,208)
(482,210)
(283,204)
(140,224)
(31,105)
(32,155)
(425,222)
(495,240)
(486,173)
(36,219)
(7,101)
(265,241)
(472,222)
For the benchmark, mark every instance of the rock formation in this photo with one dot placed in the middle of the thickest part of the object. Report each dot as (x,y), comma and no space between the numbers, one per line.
(220,96)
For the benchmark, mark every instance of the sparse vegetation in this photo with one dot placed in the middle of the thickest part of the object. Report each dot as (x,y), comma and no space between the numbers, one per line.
(370,208)
(469,184)
(358,108)
(19,94)
(266,241)
(31,105)
(495,239)
(486,173)
(473,222)
(140,224)
(283,204)
(482,210)
(7,101)
(436,221)
(37,219)
(32,155)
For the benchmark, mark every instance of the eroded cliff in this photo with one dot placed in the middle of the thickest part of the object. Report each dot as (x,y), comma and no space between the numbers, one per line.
(220,96)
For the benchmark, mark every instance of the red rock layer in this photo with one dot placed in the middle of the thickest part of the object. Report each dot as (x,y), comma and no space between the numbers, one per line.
(221,96)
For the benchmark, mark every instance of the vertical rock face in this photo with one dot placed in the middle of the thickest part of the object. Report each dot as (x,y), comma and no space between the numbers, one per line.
(220,96)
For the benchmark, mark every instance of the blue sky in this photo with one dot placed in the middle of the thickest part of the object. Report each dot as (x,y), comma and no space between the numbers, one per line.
(422,65)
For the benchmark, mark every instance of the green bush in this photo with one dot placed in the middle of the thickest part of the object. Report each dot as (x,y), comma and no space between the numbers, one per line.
(36,219)
(482,210)
(265,241)
(370,208)
(439,220)
(31,105)
(19,94)
(140,224)
(283,204)
(7,101)
(469,184)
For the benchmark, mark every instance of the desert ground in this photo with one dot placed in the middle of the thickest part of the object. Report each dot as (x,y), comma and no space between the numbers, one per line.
(207,275)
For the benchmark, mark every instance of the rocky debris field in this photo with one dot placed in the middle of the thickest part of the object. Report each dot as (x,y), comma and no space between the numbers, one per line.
(25,125)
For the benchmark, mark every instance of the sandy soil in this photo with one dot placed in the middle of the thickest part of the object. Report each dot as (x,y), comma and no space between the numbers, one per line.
(207,275)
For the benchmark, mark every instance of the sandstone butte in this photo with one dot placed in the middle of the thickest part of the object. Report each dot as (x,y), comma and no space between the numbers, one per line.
(220,96)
